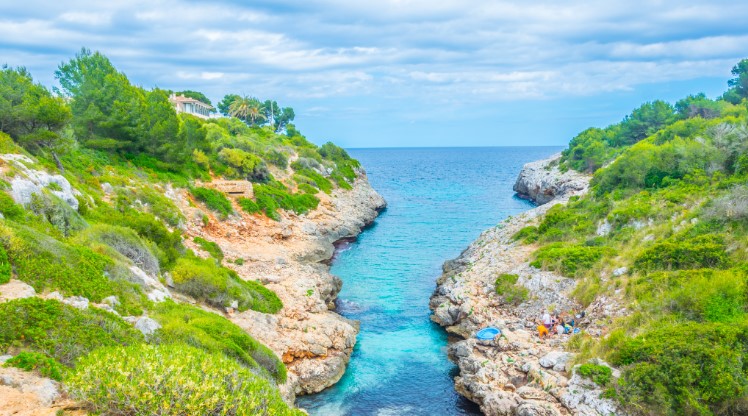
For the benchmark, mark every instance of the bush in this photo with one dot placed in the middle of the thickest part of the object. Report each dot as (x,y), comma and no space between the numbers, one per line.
(693,253)
(41,363)
(249,206)
(691,368)
(506,286)
(310,177)
(9,208)
(210,247)
(61,331)
(123,241)
(569,259)
(214,200)
(600,374)
(5,268)
(247,165)
(214,333)
(171,379)
(204,280)
(57,212)
(527,234)
(46,263)
(273,196)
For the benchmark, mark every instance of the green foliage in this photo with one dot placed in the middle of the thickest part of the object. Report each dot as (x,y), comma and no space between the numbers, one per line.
(274,195)
(112,240)
(738,85)
(311,177)
(600,374)
(249,206)
(527,234)
(213,199)
(689,368)
(60,331)
(569,259)
(707,295)
(171,379)
(41,363)
(211,247)
(9,208)
(47,263)
(506,286)
(687,253)
(204,280)
(5,267)
(246,165)
(57,212)
(214,333)
(196,95)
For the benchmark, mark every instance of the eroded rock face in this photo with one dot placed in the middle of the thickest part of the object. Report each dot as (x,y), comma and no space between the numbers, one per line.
(290,257)
(518,374)
(30,181)
(542,181)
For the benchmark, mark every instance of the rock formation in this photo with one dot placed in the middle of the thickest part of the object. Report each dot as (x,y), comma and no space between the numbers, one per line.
(517,373)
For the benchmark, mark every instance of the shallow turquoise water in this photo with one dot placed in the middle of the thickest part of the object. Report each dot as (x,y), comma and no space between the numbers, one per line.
(439,200)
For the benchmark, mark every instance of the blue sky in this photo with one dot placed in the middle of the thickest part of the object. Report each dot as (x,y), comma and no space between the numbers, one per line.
(403,72)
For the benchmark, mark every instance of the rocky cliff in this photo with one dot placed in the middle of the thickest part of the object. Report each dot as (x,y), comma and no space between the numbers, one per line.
(290,257)
(542,181)
(517,373)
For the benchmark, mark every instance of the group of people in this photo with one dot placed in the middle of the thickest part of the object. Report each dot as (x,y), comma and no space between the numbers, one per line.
(559,323)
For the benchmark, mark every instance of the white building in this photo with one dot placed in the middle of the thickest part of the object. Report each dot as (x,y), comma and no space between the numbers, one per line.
(190,106)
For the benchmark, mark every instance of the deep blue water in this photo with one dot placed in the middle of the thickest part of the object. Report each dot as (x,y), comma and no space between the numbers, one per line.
(439,200)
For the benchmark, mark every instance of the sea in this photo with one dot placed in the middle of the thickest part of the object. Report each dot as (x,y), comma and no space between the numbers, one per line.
(439,200)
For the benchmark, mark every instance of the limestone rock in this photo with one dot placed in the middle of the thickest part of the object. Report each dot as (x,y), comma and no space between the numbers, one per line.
(77,302)
(40,389)
(147,326)
(30,181)
(542,181)
(15,289)
(556,360)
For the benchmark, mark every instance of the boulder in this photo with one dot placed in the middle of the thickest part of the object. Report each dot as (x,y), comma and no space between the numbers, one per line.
(147,326)
(31,181)
(15,289)
(542,181)
(556,360)
(77,302)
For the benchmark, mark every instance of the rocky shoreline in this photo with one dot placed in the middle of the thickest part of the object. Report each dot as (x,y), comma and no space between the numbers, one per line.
(292,258)
(517,373)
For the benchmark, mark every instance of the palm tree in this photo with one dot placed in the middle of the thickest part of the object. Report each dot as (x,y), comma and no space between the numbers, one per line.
(248,109)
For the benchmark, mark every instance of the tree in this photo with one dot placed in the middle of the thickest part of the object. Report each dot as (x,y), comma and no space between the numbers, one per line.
(738,85)
(31,115)
(286,116)
(223,106)
(108,112)
(163,127)
(247,109)
(698,106)
(196,95)
(645,121)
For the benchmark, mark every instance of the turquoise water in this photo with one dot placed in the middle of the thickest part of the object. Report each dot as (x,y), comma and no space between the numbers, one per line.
(439,200)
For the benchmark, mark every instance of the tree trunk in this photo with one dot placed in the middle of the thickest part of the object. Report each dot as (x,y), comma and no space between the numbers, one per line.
(58,163)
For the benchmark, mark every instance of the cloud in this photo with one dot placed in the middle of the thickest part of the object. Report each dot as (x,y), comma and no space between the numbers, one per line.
(394,50)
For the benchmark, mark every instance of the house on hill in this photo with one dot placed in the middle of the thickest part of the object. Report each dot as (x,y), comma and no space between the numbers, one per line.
(190,106)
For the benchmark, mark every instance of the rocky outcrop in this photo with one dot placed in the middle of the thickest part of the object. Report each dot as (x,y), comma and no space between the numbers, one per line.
(542,181)
(516,374)
(26,394)
(28,182)
(291,258)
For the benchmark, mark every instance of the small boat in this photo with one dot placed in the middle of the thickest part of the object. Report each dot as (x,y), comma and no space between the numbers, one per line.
(488,334)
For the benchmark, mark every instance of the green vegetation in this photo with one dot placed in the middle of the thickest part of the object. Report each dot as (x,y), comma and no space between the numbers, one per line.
(171,379)
(669,203)
(600,374)
(41,363)
(211,332)
(210,247)
(506,286)
(214,199)
(205,280)
(273,196)
(60,331)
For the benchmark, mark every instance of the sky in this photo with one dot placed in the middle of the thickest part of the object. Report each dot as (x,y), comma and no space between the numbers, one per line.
(403,73)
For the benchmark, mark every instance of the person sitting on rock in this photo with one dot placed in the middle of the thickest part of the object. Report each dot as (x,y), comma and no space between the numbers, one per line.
(543,331)
(547,320)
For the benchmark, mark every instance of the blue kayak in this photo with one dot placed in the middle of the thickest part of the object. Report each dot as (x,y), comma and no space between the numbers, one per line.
(488,334)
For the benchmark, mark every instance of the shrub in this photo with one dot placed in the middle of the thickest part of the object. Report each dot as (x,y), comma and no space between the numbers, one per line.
(171,379)
(273,196)
(600,374)
(47,263)
(247,165)
(5,268)
(9,208)
(693,253)
(204,280)
(214,200)
(569,259)
(506,286)
(313,178)
(707,295)
(691,368)
(527,234)
(249,206)
(210,247)
(57,212)
(123,241)
(41,363)
(214,333)
(61,331)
